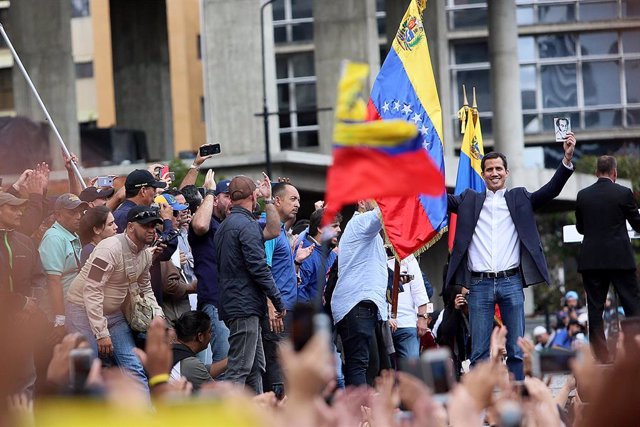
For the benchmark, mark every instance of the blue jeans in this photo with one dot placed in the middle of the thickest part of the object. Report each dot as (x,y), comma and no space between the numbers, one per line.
(121,338)
(406,343)
(507,292)
(357,330)
(219,334)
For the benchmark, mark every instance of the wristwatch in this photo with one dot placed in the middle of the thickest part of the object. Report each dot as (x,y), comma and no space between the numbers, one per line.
(423,315)
(210,193)
(194,166)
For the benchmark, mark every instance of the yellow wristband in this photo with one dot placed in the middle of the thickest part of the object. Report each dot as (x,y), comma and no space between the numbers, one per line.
(158,379)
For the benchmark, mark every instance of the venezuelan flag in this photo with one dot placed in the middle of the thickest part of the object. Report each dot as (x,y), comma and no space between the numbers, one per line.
(367,154)
(469,169)
(405,89)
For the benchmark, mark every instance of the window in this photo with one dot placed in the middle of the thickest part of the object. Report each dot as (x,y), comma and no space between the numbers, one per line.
(6,89)
(79,8)
(292,21)
(297,106)
(84,70)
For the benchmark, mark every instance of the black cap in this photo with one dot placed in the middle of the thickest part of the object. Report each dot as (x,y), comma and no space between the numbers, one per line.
(142,178)
(143,215)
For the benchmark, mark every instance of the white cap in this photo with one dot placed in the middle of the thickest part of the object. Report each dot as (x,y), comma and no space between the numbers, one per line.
(539,330)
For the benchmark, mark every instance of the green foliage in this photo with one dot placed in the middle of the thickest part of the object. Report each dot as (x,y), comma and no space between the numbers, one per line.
(628,168)
(176,165)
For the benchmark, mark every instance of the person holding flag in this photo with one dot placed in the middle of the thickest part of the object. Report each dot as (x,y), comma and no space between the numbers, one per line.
(497,250)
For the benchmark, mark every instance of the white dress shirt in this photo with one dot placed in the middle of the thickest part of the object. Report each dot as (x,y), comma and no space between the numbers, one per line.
(495,245)
(414,295)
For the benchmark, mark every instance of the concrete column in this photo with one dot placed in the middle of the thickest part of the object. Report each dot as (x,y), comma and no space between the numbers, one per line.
(232,62)
(103,63)
(141,78)
(505,82)
(41,34)
(343,29)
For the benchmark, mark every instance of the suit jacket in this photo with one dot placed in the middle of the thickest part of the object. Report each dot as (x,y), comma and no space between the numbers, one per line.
(522,205)
(601,211)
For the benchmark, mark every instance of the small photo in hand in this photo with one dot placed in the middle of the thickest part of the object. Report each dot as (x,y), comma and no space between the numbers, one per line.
(562,126)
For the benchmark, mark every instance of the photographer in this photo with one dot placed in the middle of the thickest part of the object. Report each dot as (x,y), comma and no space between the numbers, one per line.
(452,327)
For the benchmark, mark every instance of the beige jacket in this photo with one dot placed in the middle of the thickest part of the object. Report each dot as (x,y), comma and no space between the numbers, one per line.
(102,284)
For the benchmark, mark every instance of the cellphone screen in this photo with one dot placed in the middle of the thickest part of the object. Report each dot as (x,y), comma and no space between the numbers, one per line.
(80,364)
(556,361)
(209,149)
(440,376)
(302,325)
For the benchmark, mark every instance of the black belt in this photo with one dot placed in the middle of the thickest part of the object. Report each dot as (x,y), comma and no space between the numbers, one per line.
(496,275)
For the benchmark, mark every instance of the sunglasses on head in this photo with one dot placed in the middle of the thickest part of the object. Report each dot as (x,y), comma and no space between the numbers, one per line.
(145,215)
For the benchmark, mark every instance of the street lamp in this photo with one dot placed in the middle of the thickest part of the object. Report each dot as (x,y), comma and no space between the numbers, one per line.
(265,111)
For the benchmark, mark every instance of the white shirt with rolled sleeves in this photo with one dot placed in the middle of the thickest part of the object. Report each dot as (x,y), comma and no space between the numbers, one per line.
(414,293)
(362,266)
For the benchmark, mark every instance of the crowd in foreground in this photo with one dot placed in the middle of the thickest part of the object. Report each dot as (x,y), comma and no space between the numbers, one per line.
(222,292)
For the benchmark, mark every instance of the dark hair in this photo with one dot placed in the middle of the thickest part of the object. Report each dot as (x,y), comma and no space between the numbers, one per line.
(192,196)
(132,192)
(316,219)
(174,192)
(493,155)
(93,217)
(606,165)
(191,324)
(300,226)
(279,189)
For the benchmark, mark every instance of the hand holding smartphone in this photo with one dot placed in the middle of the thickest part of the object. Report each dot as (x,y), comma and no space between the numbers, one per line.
(209,150)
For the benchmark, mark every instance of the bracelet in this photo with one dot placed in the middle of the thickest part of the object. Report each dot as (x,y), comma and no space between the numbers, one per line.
(268,201)
(158,379)
(59,320)
(193,166)
(210,193)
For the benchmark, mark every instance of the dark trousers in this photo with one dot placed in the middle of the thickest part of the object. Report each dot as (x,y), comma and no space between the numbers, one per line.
(357,331)
(246,357)
(596,285)
(270,342)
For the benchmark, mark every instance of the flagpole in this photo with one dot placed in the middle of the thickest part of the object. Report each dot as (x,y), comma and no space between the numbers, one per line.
(24,72)
(395,290)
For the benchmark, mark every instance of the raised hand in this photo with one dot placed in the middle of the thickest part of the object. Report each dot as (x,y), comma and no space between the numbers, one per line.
(264,187)
(303,253)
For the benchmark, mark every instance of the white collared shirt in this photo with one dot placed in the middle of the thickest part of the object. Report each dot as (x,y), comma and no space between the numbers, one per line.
(495,245)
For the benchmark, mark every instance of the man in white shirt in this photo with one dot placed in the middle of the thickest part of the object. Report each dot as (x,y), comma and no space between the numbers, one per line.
(412,318)
(497,251)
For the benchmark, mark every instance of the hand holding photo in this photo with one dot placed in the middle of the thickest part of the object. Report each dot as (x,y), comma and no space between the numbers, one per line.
(562,125)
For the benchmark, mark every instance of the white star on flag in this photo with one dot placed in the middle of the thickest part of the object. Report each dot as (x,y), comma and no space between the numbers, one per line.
(406,109)
(424,129)
(416,118)
(385,106)
(396,106)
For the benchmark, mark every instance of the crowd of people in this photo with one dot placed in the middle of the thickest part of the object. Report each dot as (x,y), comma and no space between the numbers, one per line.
(154,292)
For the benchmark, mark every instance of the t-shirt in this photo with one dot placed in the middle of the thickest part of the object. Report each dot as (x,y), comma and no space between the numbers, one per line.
(60,254)
(205,264)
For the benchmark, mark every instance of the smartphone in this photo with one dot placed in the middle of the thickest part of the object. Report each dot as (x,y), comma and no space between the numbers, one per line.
(80,361)
(437,370)
(278,390)
(105,181)
(163,171)
(306,321)
(552,361)
(630,329)
(209,149)
(172,176)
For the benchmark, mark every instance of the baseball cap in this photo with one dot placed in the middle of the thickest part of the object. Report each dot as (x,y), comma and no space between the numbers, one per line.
(143,215)
(142,178)
(90,194)
(241,187)
(171,201)
(8,198)
(539,330)
(68,201)
(571,295)
(222,186)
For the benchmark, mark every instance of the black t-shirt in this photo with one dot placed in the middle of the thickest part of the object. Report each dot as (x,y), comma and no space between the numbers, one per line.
(205,264)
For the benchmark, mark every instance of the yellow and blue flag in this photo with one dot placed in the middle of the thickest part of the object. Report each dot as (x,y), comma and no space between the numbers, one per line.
(471,153)
(405,89)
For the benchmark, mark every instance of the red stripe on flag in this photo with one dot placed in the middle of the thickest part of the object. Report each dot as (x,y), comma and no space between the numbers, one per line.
(453,219)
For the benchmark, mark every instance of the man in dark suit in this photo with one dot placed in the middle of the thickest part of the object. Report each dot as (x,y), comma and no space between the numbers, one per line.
(497,251)
(606,255)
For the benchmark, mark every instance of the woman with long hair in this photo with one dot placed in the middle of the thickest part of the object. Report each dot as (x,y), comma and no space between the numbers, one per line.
(96,224)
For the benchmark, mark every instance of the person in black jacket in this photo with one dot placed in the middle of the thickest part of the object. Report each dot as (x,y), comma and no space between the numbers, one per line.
(606,255)
(245,283)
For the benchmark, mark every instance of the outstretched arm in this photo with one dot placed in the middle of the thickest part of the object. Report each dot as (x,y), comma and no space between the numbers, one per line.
(551,189)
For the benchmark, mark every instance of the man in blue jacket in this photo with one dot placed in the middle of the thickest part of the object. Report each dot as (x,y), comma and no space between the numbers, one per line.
(497,251)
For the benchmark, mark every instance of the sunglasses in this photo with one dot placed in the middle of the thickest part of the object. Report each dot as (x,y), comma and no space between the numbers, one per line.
(145,215)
